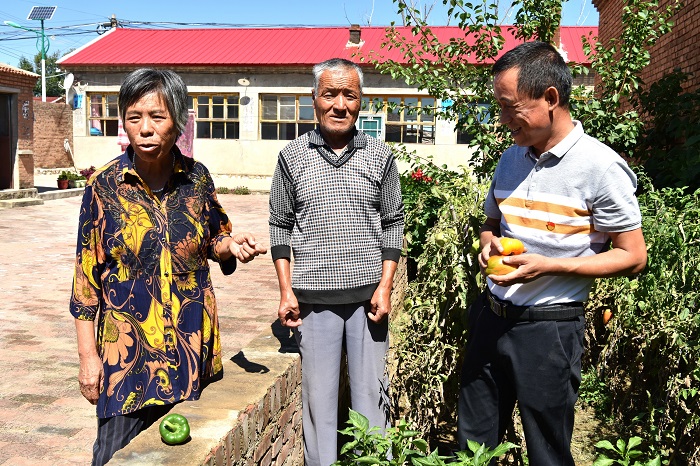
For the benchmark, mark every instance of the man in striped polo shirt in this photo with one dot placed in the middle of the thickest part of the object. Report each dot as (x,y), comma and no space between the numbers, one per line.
(336,199)
(568,198)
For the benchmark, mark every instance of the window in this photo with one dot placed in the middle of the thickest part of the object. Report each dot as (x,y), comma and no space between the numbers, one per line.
(409,120)
(216,116)
(285,117)
(372,124)
(103,118)
(481,114)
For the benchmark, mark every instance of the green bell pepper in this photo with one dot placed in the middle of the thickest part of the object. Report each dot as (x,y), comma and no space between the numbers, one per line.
(174,429)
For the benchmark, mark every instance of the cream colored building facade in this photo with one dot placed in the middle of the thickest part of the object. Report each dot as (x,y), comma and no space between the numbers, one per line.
(248,160)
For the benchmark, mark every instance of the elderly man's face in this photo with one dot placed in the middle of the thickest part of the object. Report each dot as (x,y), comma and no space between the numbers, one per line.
(150,128)
(337,105)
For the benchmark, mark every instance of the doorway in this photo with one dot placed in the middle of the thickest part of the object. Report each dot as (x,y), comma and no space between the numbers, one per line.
(6,141)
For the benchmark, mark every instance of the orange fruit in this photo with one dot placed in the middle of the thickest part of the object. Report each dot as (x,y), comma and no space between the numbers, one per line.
(497,267)
(512,246)
(607,315)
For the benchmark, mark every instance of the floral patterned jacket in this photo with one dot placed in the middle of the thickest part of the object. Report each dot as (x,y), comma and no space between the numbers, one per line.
(142,269)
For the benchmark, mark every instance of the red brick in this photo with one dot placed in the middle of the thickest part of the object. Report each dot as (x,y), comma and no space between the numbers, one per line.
(53,125)
(678,48)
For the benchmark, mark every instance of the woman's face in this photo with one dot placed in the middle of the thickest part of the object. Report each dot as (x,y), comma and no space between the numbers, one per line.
(150,127)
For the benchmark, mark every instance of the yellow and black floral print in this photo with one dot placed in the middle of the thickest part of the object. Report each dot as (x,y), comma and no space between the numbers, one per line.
(142,271)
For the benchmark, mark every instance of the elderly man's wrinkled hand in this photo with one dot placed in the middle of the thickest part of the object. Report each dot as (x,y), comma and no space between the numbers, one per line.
(380,305)
(288,311)
(245,248)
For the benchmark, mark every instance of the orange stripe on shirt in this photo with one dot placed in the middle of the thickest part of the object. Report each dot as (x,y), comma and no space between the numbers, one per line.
(556,209)
(540,224)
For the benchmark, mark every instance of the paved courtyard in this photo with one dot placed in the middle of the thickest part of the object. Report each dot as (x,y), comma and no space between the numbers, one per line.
(43,418)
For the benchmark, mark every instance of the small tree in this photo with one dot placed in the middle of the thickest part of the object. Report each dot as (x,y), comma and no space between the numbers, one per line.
(54,80)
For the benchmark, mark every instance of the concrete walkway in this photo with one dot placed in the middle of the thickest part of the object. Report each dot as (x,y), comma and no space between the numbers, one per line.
(43,418)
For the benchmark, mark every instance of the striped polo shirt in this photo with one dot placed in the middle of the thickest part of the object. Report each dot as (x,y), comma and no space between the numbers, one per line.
(561,204)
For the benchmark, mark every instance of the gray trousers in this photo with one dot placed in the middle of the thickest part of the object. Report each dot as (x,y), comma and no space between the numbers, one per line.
(324,330)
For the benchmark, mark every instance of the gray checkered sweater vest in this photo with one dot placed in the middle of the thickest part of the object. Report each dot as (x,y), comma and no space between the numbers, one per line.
(341,214)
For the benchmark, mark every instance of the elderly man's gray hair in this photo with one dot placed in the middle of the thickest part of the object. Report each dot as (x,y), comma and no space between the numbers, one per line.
(336,64)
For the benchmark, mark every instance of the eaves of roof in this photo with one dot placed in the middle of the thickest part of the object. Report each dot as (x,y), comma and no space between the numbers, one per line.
(8,69)
(261,47)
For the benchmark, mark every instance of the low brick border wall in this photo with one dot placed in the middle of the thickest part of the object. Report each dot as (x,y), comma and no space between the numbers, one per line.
(252,416)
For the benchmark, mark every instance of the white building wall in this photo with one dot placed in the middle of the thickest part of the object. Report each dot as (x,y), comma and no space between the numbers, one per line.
(247,161)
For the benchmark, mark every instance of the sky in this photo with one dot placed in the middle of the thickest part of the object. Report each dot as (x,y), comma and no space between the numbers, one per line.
(76,22)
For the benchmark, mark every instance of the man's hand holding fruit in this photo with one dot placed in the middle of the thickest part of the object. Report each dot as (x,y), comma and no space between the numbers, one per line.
(503,260)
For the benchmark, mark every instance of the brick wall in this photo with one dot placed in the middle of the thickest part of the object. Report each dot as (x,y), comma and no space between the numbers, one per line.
(677,49)
(265,432)
(54,124)
(25,108)
(26,170)
(16,79)
(268,432)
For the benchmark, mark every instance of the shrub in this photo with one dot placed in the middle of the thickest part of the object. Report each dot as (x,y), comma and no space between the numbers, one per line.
(68,175)
(649,355)
(427,336)
(86,173)
(240,190)
(402,446)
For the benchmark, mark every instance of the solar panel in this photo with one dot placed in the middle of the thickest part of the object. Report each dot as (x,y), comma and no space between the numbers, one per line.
(41,12)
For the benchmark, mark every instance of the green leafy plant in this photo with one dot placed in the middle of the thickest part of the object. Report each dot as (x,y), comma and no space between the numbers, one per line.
(624,454)
(428,334)
(670,149)
(649,357)
(68,175)
(240,190)
(402,446)
(612,115)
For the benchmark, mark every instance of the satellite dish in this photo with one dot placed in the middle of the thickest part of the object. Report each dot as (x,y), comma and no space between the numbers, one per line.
(68,81)
(244,82)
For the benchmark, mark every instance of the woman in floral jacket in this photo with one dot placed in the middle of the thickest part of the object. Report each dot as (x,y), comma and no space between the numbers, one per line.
(149,223)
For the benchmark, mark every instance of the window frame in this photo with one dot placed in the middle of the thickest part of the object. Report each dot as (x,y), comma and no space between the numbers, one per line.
(216,124)
(107,123)
(297,123)
(404,124)
(463,137)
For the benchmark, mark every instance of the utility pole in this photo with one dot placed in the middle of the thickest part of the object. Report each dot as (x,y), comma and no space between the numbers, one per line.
(40,13)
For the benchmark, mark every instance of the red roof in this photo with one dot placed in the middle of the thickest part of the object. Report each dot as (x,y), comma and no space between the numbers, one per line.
(261,46)
(9,69)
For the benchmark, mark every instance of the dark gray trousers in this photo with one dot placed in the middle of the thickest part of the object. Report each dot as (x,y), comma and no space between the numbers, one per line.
(536,363)
(114,433)
(320,338)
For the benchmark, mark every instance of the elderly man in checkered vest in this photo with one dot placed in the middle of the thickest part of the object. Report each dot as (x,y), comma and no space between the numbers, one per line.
(335,204)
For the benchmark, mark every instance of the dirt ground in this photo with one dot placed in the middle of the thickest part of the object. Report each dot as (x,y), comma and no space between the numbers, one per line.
(587,432)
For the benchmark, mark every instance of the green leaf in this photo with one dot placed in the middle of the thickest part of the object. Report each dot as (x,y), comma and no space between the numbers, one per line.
(367,460)
(603,461)
(634,442)
(605,444)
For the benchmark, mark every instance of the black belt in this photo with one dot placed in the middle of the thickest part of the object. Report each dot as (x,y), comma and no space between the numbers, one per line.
(507,310)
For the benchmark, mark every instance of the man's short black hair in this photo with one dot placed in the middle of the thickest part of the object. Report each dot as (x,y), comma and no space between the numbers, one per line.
(541,66)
